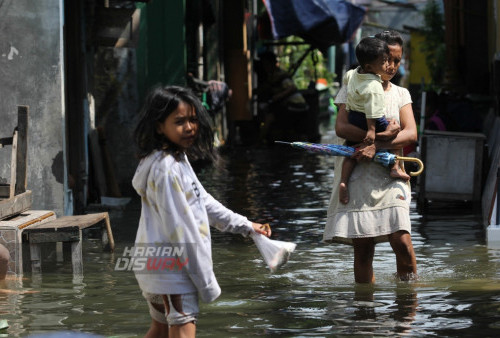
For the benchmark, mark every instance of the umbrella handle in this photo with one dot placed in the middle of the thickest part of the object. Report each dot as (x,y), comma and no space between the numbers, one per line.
(412,159)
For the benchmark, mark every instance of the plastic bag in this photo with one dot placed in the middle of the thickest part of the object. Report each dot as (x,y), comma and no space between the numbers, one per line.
(275,253)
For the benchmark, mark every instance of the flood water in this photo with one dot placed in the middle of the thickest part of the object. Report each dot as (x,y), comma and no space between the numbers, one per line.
(457,293)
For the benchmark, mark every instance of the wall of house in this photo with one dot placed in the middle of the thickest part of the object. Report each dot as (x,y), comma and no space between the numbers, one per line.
(31,73)
(161,51)
(237,60)
(418,67)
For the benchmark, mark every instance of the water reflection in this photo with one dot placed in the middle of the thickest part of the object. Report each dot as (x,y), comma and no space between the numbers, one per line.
(458,292)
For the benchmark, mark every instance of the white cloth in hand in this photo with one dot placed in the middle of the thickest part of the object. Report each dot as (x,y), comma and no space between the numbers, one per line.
(275,253)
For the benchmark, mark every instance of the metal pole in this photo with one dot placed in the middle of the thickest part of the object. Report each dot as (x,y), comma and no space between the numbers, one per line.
(422,118)
(422,115)
(498,190)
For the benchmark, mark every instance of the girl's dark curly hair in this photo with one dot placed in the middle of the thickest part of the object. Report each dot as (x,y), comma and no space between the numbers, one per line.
(159,104)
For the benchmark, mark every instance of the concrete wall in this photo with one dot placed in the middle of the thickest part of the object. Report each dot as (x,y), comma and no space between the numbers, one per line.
(31,74)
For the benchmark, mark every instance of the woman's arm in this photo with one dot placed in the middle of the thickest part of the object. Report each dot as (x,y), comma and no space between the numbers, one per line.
(352,133)
(346,130)
(407,135)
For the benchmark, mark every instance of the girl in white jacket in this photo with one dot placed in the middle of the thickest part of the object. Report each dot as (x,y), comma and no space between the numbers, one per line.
(172,252)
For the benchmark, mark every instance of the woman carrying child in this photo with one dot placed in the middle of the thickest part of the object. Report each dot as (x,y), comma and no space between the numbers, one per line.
(176,209)
(366,104)
(378,206)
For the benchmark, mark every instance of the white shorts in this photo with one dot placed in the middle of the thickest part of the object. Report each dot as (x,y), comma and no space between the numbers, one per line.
(180,309)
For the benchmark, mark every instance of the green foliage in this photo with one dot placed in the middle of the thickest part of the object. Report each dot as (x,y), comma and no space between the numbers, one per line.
(314,66)
(434,45)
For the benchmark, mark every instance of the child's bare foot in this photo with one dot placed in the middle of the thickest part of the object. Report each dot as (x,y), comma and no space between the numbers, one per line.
(343,193)
(398,173)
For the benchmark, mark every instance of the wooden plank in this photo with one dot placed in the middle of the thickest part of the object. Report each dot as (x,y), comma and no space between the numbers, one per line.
(59,252)
(80,221)
(15,205)
(54,235)
(5,141)
(13,165)
(27,218)
(110,244)
(40,229)
(76,256)
(36,258)
(22,150)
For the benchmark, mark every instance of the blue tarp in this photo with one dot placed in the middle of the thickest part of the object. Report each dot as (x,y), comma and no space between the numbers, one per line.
(321,23)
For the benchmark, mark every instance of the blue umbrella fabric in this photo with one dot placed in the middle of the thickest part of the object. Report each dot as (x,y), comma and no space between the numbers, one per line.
(382,157)
(321,23)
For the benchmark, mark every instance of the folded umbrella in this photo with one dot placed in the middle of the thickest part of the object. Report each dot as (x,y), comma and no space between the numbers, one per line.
(383,157)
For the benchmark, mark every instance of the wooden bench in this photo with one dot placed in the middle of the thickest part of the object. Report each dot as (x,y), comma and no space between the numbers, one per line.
(11,234)
(67,229)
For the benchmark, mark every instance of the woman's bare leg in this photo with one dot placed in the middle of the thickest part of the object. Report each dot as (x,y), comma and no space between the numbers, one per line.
(364,250)
(406,261)
(157,330)
(187,330)
(363,300)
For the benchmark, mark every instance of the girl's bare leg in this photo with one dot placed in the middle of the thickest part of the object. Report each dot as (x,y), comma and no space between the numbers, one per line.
(364,250)
(406,261)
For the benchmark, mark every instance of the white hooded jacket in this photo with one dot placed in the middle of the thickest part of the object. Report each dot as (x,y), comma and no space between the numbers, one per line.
(177,210)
